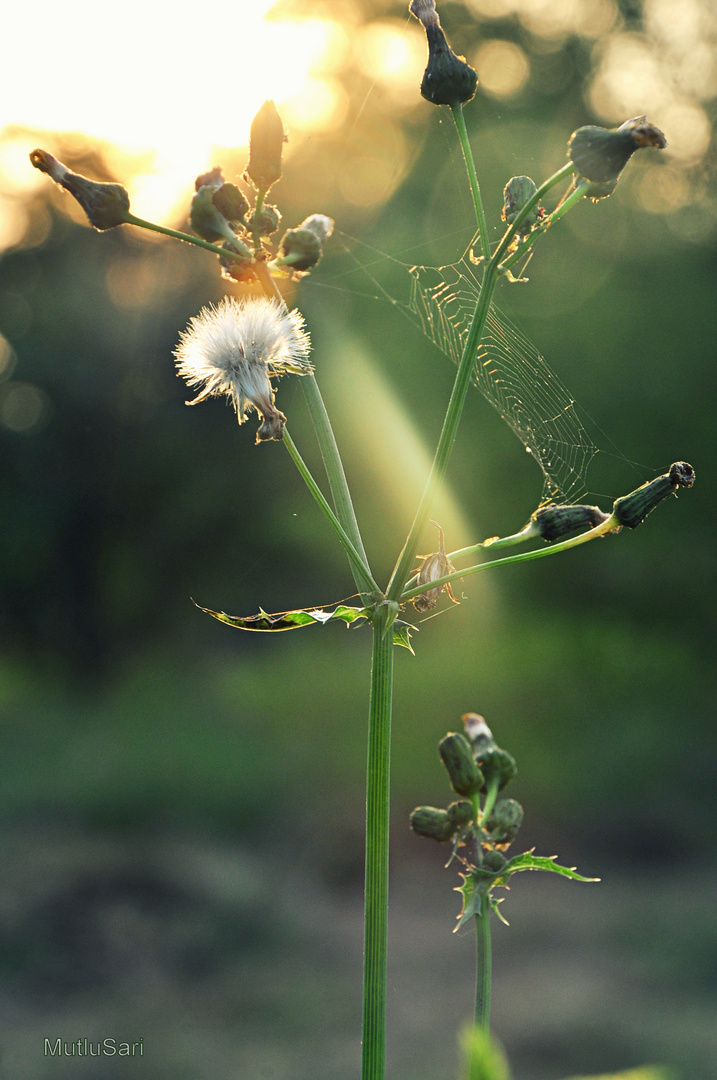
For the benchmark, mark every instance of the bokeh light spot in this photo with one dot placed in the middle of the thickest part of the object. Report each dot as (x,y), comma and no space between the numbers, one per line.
(502,67)
(22,407)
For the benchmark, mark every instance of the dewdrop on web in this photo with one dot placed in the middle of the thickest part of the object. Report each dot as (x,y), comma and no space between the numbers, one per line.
(236,347)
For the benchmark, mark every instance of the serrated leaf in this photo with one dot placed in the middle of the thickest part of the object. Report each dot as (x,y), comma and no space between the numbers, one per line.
(402,635)
(528,861)
(289,620)
(471,901)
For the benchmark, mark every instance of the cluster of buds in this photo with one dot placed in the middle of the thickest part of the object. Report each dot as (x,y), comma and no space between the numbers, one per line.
(477,768)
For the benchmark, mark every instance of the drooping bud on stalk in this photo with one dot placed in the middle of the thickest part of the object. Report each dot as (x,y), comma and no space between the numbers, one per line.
(266,141)
(106,205)
(205,219)
(433,824)
(301,248)
(552,522)
(516,194)
(631,510)
(456,754)
(600,154)
(503,824)
(448,79)
(231,203)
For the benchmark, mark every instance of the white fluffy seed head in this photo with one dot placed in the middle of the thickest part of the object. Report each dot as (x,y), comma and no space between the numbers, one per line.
(236,347)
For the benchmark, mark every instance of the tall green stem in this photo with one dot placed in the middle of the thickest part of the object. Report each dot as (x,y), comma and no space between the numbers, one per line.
(483,964)
(373,1066)
(403,567)
(460,122)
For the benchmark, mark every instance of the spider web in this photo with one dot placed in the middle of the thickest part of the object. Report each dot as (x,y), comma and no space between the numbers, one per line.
(509,371)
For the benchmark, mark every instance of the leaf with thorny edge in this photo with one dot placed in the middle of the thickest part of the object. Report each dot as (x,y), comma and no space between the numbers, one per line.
(292,620)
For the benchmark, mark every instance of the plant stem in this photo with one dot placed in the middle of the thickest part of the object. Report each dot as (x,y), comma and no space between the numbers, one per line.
(373,1064)
(403,567)
(188,239)
(483,964)
(329,451)
(611,525)
(460,122)
(362,573)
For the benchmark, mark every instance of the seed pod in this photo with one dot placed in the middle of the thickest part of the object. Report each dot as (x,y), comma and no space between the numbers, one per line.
(460,813)
(457,756)
(266,141)
(106,205)
(503,824)
(552,522)
(433,824)
(600,154)
(631,510)
(448,79)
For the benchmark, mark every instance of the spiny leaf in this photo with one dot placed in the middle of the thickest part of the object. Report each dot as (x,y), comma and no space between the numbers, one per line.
(528,861)
(292,620)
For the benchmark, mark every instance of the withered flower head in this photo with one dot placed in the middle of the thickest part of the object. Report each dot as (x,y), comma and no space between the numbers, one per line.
(448,79)
(106,205)
(600,154)
(434,566)
(236,347)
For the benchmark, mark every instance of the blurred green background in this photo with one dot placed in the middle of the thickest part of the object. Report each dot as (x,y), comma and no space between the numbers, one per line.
(182,802)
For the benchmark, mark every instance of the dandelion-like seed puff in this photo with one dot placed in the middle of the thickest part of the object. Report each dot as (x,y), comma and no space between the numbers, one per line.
(236,347)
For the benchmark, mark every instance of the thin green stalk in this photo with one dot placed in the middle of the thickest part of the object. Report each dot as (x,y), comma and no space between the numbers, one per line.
(404,565)
(483,964)
(460,121)
(373,1065)
(367,583)
(328,447)
(606,527)
(189,239)
(491,796)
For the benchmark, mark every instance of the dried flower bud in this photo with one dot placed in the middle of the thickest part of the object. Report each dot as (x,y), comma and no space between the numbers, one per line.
(237,269)
(497,765)
(266,221)
(448,79)
(266,141)
(204,218)
(503,824)
(434,566)
(457,756)
(213,178)
(631,510)
(517,192)
(301,248)
(600,154)
(106,205)
(552,522)
(231,203)
(479,734)
(460,813)
(433,824)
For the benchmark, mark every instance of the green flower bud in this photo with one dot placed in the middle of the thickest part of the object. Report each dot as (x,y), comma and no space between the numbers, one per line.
(600,154)
(457,756)
(494,862)
(204,218)
(631,510)
(448,79)
(517,192)
(552,521)
(478,733)
(496,764)
(432,823)
(237,269)
(503,824)
(231,203)
(460,813)
(266,141)
(106,205)
(266,221)
(302,248)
